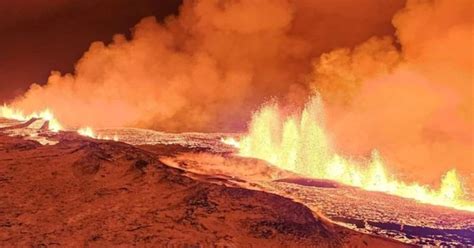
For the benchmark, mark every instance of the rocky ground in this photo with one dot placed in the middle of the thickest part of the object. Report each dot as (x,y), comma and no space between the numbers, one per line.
(374,213)
(76,191)
(369,212)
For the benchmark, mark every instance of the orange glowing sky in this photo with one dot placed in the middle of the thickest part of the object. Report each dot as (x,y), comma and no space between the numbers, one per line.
(38,36)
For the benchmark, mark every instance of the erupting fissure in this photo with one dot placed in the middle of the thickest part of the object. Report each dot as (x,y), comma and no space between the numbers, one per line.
(16,114)
(89,132)
(53,124)
(300,144)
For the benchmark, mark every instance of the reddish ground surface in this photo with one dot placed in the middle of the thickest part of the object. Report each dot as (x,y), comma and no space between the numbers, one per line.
(83,192)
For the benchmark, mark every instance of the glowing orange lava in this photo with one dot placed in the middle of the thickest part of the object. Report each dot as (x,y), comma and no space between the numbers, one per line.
(300,144)
(89,132)
(54,125)
(16,114)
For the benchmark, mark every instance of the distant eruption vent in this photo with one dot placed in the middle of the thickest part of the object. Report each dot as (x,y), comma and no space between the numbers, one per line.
(300,143)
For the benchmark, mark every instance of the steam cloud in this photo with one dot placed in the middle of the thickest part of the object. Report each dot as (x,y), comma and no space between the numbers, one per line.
(415,105)
(207,69)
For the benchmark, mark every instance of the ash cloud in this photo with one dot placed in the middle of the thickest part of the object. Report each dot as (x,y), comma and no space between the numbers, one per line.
(414,105)
(207,68)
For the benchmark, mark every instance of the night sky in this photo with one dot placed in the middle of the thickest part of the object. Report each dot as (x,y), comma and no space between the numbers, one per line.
(38,36)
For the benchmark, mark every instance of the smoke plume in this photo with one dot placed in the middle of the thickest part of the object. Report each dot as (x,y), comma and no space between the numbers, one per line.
(414,106)
(209,67)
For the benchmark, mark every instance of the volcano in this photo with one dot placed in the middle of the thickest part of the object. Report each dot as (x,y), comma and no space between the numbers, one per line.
(190,189)
(236,123)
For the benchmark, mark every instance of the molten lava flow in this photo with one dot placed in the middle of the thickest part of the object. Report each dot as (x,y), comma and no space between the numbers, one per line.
(53,124)
(16,114)
(300,144)
(89,132)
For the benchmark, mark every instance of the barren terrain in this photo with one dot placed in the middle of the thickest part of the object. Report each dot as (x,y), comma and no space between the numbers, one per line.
(86,192)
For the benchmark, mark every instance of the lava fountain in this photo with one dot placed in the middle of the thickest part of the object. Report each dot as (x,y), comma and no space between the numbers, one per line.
(16,114)
(299,143)
(53,124)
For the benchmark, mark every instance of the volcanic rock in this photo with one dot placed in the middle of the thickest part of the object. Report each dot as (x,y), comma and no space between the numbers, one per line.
(84,192)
